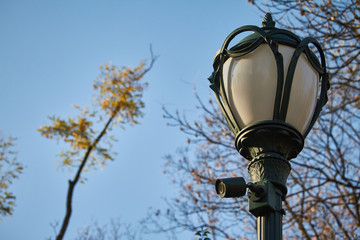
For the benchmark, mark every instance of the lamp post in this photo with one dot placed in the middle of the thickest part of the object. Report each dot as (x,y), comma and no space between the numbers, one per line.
(270,88)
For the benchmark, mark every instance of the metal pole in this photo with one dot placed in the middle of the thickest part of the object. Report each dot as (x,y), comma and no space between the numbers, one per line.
(269,227)
(269,173)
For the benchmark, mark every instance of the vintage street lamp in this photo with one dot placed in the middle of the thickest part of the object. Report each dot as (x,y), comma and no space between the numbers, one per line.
(271,88)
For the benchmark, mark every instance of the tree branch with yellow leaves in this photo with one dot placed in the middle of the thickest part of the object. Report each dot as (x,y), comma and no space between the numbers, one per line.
(118,101)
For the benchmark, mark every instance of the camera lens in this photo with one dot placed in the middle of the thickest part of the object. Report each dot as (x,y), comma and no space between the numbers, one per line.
(222,189)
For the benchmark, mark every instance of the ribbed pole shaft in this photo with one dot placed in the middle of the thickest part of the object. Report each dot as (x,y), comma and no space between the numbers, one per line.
(269,227)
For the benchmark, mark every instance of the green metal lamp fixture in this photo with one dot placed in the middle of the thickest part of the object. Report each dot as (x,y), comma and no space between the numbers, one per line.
(270,88)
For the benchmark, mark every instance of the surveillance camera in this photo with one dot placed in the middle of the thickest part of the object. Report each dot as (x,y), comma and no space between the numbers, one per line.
(230,187)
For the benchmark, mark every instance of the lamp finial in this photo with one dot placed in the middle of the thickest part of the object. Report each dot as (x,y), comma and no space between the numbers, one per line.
(268,21)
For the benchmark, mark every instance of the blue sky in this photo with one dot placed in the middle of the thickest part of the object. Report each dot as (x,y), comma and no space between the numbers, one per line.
(50,52)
